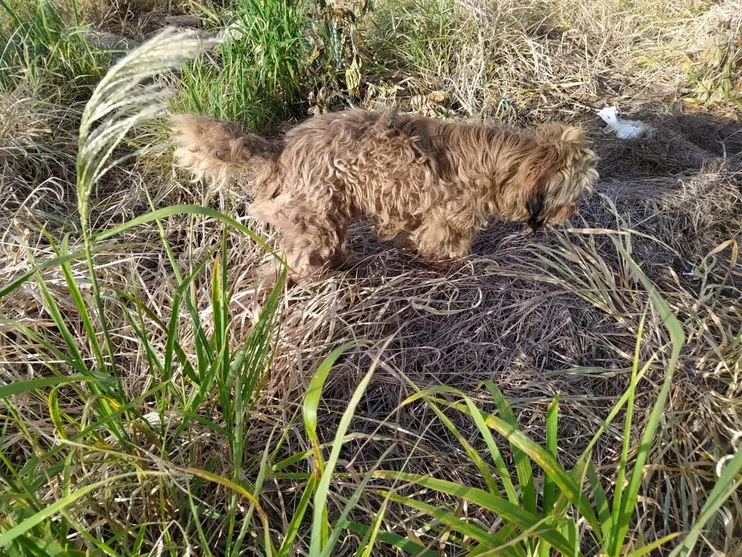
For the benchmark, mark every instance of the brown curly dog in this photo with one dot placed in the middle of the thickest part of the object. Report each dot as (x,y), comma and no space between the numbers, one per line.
(428,183)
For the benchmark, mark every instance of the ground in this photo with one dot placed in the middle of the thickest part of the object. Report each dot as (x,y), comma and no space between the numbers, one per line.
(151,400)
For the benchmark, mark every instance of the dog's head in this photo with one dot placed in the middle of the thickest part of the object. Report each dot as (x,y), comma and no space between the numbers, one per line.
(560,171)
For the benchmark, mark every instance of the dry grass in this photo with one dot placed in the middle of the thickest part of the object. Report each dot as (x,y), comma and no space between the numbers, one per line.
(537,315)
(530,61)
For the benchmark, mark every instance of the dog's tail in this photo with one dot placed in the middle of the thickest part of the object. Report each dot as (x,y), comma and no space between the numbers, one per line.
(216,150)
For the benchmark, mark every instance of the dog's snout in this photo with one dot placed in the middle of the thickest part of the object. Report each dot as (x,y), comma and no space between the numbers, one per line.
(536,224)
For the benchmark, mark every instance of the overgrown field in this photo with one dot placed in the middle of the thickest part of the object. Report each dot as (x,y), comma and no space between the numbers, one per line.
(571,392)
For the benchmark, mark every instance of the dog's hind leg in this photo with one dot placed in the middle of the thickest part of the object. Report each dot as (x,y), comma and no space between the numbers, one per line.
(311,240)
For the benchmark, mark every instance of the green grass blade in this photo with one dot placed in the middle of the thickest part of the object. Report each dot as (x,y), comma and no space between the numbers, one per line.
(287,546)
(614,412)
(552,413)
(173,210)
(623,459)
(494,503)
(53,309)
(204,356)
(321,541)
(650,547)
(61,356)
(20,387)
(82,308)
(452,521)
(259,481)
(19,529)
(342,520)
(489,440)
(172,346)
(601,501)
(197,523)
(139,328)
(677,339)
(475,457)
(239,489)
(311,402)
(320,523)
(543,458)
(369,538)
(549,491)
(522,462)
(23,277)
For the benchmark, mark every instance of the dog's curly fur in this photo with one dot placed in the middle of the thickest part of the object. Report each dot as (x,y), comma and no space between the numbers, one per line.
(428,183)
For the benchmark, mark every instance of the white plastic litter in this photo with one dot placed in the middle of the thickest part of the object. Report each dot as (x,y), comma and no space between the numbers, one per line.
(625,129)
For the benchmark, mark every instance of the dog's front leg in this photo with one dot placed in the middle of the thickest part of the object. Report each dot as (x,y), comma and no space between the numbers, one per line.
(441,242)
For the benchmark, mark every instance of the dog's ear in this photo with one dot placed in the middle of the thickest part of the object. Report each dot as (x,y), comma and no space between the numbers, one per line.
(574,136)
(556,133)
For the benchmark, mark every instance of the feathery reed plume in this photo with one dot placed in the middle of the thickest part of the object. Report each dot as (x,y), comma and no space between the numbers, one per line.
(126,97)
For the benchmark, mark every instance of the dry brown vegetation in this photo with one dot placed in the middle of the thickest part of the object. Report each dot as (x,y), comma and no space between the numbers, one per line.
(538,315)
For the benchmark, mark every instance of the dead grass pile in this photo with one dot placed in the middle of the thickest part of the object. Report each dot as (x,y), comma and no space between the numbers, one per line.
(529,61)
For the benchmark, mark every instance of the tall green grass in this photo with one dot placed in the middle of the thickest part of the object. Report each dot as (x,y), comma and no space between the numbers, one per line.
(418,35)
(112,432)
(537,521)
(46,51)
(256,77)
(558,509)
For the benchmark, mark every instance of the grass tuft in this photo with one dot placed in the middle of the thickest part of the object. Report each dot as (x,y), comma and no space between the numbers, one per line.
(255,78)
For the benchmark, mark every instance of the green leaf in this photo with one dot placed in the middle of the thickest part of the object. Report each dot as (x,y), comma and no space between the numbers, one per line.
(342,520)
(650,547)
(522,462)
(677,340)
(489,440)
(17,282)
(540,456)
(312,398)
(369,538)
(601,501)
(618,492)
(549,493)
(321,544)
(494,503)
(452,521)
(50,511)
(19,387)
(182,210)
(397,541)
(552,413)
(475,457)
(320,523)
(287,547)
